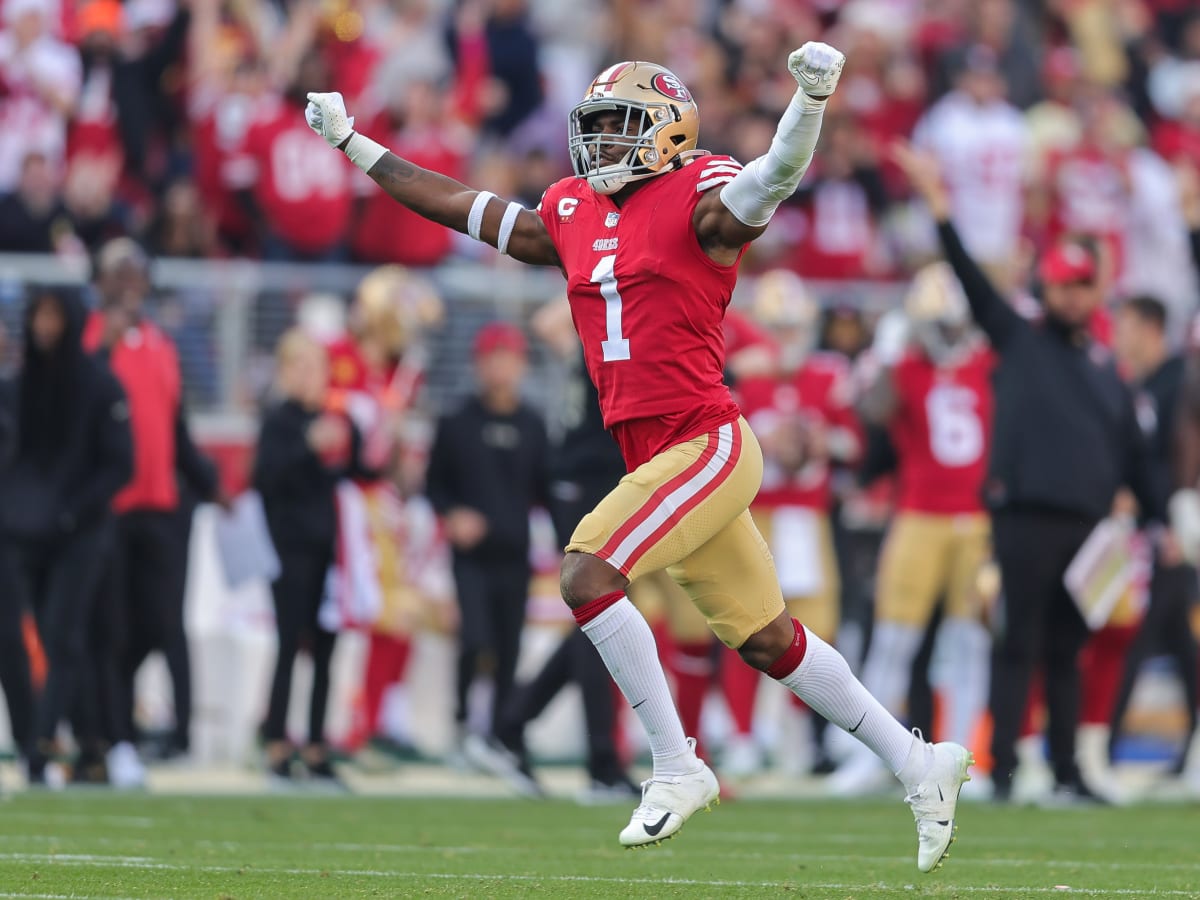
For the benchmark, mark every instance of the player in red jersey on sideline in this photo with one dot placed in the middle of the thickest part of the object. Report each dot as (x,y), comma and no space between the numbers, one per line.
(649,234)
(935,399)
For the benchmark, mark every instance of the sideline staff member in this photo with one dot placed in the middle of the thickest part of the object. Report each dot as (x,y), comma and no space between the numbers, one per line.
(1066,438)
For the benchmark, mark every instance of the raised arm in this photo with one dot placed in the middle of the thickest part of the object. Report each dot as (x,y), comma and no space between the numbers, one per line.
(995,316)
(728,219)
(510,228)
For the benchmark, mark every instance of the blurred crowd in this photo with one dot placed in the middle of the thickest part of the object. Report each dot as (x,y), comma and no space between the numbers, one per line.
(180,125)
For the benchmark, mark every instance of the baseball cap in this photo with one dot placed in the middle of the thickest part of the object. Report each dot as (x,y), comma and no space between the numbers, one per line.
(500,336)
(1066,263)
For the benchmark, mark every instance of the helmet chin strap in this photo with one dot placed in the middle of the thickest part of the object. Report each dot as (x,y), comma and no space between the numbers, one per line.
(606,184)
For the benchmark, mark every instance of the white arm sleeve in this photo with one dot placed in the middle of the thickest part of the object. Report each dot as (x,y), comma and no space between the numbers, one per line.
(756,192)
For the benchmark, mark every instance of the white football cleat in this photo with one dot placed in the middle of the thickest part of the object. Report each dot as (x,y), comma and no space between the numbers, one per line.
(668,802)
(934,799)
(125,768)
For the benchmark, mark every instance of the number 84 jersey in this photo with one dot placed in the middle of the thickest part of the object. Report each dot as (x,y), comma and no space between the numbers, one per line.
(648,304)
(941,431)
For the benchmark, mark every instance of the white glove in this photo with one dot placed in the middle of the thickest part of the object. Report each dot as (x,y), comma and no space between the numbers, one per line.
(891,338)
(817,68)
(326,115)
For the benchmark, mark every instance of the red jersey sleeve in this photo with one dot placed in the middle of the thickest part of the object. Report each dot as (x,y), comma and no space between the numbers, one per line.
(557,208)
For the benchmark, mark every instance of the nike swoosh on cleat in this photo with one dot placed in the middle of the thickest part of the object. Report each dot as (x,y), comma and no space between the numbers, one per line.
(856,727)
(943,822)
(658,826)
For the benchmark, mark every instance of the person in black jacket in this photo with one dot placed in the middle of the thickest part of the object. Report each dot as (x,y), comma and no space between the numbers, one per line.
(584,465)
(1157,377)
(487,470)
(14,659)
(74,452)
(1066,439)
(302,454)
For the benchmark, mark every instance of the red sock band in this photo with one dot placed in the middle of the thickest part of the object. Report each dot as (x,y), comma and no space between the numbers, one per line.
(591,609)
(792,656)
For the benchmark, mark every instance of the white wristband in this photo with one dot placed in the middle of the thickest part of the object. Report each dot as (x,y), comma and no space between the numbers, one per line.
(475,216)
(364,152)
(507,224)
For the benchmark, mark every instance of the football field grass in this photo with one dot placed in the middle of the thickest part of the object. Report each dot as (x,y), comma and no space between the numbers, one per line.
(107,846)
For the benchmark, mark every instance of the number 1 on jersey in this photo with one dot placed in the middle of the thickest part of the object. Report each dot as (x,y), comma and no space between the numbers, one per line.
(616,347)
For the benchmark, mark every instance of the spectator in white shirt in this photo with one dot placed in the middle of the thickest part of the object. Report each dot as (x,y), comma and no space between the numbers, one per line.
(980,141)
(39,87)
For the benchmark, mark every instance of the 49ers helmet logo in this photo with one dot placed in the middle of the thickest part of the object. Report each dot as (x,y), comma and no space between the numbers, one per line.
(670,86)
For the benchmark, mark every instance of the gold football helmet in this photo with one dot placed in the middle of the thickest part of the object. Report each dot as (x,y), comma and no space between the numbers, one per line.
(392,303)
(661,123)
(785,306)
(937,311)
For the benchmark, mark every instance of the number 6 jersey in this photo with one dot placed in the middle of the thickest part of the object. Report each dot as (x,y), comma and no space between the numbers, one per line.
(942,432)
(648,304)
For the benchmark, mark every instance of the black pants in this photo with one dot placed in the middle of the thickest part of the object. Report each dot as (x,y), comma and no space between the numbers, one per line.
(297,593)
(144,581)
(1040,624)
(14,659)
(1166,628)
(575,660)
(58,579)
(491,602)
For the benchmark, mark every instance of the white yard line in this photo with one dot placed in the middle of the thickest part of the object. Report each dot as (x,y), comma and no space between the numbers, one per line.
(346,847)
(140,862)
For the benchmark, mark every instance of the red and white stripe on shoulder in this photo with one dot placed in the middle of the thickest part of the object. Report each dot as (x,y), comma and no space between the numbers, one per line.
(720,170)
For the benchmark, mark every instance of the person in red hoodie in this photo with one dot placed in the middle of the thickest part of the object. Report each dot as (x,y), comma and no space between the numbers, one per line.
(143,601)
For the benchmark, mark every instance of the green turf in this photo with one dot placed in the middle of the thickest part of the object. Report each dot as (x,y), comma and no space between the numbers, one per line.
(105,846)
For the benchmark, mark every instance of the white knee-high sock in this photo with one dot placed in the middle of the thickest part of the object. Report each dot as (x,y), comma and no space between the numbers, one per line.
(968,653)
(887,671)
(626,644)
(824,681)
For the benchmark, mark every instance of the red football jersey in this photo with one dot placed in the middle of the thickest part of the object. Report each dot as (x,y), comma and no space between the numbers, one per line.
(1091,192)
(648,304)
(818,394)
(942,432)
(303,189)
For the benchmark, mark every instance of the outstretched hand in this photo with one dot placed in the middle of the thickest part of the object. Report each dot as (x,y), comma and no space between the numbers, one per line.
(817,68)
(326,115)
(925,175)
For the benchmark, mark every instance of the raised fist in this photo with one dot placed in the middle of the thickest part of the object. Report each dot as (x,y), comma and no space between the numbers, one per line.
(817,68)
(326,115)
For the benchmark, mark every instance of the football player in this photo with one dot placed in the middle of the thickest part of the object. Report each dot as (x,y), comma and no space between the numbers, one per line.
(376,371)
(936,402)
(801,411)
(649,235)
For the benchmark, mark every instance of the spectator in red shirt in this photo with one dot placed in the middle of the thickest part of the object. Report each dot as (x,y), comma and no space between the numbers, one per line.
(418,125)
(1088,187)
(302,193)
(842,204)
(144,591)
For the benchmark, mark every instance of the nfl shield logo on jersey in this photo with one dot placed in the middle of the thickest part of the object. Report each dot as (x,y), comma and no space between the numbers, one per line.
(611,220)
